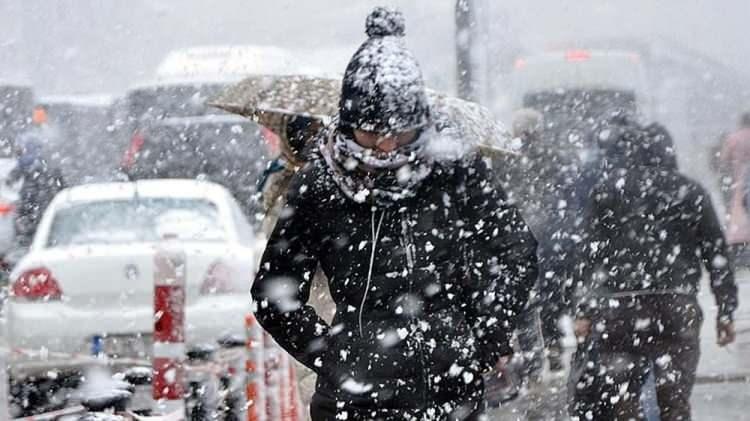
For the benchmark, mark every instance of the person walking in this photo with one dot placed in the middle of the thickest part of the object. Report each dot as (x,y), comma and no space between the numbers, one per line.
(734,164)
(40,182)
(536,184)
(650,232)
(427,262)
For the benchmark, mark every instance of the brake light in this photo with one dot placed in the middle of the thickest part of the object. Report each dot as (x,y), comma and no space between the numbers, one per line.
(218,280)
(136,143)
(577,55)
(37,284)
(6,209)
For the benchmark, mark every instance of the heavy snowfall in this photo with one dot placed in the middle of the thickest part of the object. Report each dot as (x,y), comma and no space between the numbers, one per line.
(376,210)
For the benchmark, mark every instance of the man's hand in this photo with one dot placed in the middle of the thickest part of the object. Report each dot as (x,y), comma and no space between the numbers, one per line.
(725,333)
(582,328)
(502,363)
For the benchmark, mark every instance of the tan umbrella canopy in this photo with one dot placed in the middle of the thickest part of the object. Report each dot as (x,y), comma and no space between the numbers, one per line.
(471,123)
(273,100)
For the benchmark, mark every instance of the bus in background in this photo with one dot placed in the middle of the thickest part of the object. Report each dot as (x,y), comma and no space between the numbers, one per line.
(574,89)
(230,63)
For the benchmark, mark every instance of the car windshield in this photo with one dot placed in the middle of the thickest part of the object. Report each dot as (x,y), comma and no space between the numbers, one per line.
(173,101)
(141,220)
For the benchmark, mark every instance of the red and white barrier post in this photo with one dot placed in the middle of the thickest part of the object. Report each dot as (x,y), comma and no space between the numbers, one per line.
(295,411)
(169,330)
(272,360)
(289,396)
(254,369)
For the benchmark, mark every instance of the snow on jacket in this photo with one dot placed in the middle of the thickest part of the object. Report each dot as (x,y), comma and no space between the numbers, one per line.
(426,290)
(651,230)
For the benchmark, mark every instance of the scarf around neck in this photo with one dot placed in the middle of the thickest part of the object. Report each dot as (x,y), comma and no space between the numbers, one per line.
(364,176)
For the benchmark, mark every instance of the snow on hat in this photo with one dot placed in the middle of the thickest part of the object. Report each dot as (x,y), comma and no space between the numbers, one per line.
(383,90)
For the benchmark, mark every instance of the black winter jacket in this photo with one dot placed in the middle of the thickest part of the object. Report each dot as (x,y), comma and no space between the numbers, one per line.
(651,230)
(426,290)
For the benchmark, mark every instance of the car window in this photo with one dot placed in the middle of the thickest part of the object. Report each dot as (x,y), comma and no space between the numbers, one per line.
(140,220)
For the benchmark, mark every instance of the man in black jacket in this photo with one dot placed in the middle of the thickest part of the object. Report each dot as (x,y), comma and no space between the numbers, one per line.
(651,231)
(427,263)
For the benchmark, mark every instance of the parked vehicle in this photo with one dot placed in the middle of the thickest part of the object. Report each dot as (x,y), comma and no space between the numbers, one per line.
(81,145)
(573,88)
(226,149)
(89,274)
(150,103)
(230,63)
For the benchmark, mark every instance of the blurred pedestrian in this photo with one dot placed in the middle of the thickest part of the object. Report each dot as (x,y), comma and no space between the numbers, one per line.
(735,161)
(40,182)
(536,185)
(426,261)
(650,232)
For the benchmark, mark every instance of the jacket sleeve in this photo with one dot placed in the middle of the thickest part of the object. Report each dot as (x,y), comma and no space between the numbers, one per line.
(501,263)
(282,286)
(716,259)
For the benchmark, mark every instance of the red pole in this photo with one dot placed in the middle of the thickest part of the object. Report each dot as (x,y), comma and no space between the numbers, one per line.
(284,386)
(169,330)
(254,366)
(272,360)
(294,403)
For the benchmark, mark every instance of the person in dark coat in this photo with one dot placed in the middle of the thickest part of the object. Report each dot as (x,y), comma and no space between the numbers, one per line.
(537,184)
(426,261)
(41,181)
(651,231)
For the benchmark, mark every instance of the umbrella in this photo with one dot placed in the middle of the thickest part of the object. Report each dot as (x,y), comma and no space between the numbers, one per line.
(273,101)
(471,123)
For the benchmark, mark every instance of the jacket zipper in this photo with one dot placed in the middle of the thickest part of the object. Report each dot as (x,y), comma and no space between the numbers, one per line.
(409,247)
(375,235)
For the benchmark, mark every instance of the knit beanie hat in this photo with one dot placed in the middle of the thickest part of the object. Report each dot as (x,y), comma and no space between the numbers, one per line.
(383,90)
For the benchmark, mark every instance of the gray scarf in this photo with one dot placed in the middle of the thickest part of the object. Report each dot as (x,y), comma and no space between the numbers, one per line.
(363,175)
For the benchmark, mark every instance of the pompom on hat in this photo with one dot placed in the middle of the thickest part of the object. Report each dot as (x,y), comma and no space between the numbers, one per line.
(383,90)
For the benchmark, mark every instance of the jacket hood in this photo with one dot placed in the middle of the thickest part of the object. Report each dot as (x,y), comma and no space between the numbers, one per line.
(637,146)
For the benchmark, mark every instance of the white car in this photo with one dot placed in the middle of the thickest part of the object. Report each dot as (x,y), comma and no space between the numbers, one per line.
(87,283)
